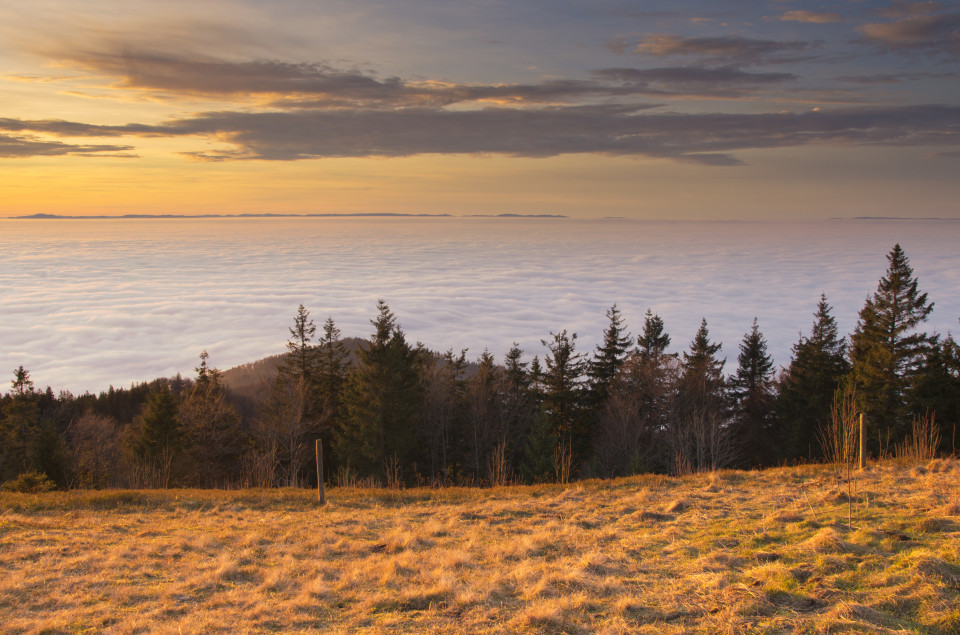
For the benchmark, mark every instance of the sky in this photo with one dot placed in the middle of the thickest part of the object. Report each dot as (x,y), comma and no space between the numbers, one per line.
(774,109)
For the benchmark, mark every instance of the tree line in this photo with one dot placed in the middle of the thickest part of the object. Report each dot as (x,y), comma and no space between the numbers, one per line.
(396,413)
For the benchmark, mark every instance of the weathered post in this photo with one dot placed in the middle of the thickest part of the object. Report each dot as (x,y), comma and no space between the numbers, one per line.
(863,444)
(321,496)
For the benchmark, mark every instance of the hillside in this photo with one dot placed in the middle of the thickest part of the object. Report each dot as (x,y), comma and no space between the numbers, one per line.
(779,551)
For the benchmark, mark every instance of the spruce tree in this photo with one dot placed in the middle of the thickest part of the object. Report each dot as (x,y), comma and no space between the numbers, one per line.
(382,400)
(159,435)
(608,358)
(300,359)
(652,343)
(563,386)
(937,390)
(702,381)
(753,394)
(808,385)
(887,349)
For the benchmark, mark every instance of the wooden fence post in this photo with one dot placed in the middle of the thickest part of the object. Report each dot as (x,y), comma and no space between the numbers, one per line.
(321,496)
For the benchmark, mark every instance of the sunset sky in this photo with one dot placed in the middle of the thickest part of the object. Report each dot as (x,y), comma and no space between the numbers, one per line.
(686,109)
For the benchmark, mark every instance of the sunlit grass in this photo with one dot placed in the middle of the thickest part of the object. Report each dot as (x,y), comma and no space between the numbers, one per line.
(769,551)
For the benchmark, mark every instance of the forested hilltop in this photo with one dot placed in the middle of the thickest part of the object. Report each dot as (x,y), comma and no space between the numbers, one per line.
(394,413)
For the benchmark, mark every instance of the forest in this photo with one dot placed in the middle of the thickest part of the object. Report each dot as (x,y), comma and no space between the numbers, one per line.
(392,413)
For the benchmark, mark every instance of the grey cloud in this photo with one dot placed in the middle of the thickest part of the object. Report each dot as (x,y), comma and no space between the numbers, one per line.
(894,78)
(811,17)
(723,49)
(552,131)
(909,9)
(322,86)
(542,132)
(933,34)
(22,147)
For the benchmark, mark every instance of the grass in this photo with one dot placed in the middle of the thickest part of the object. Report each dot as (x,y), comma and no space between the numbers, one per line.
(736,552)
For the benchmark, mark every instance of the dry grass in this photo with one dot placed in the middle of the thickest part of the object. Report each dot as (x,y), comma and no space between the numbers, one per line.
(729,552)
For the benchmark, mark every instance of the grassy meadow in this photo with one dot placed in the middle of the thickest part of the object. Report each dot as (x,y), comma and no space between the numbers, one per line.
(778,551)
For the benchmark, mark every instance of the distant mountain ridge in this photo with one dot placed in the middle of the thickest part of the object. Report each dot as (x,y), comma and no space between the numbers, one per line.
(266,215)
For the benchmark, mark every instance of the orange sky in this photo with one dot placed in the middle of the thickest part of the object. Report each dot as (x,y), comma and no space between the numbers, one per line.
(763,111)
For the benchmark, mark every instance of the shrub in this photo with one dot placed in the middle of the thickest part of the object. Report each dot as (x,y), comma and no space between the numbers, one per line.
(29,483)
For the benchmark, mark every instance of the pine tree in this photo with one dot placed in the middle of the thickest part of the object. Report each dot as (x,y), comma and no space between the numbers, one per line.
(211,428)
(159,427)
(887,350)
(608,358)
(330,379)
(752,388)
(653,342)
(563,386)
(300,360)
(702,382)
(809,383)
(331,370)
(382,400)
(18,425)
(937,390)
(698,437)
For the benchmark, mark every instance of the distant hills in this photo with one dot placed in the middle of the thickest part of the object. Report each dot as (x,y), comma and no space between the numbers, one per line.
(357,215)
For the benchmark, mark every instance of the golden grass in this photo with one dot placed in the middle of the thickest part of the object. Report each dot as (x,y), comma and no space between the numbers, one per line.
(728,552)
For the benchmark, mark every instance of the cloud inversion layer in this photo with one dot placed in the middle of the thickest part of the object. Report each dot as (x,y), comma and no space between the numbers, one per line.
(93,303)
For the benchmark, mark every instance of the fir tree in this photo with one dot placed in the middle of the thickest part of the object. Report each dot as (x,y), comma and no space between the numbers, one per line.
(937,390)
(702,382)
(652,343)
(159,434)
(752,388)
(382,399)
(563,386)
(608,358)
(809,383)
(300,359)
(887,350)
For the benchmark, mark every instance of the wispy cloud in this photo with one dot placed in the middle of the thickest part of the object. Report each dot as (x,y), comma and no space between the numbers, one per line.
(25,146)
(550,131)
(811,17)
(723,49)
(930,34)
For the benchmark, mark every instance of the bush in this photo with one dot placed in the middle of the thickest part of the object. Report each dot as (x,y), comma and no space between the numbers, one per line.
(29,483)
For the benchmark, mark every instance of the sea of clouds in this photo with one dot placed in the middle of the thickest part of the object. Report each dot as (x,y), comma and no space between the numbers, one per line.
(92,303)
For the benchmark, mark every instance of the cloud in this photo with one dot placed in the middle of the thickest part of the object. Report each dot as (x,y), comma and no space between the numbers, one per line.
(22,147)
(320,85)
(542,132)
(901,9)
(932,34)
(894,78)
(723,49)
(811,17)
(80,314)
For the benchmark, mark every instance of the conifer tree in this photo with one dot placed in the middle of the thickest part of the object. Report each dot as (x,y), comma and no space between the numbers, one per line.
(563,386)
(382,400)
(652,343)
(300,359)
(887,349)
(753,394)
(18,425)
(608,358)
(808,385)
(702,382)
(331,370)
(211,428)
(937,390)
